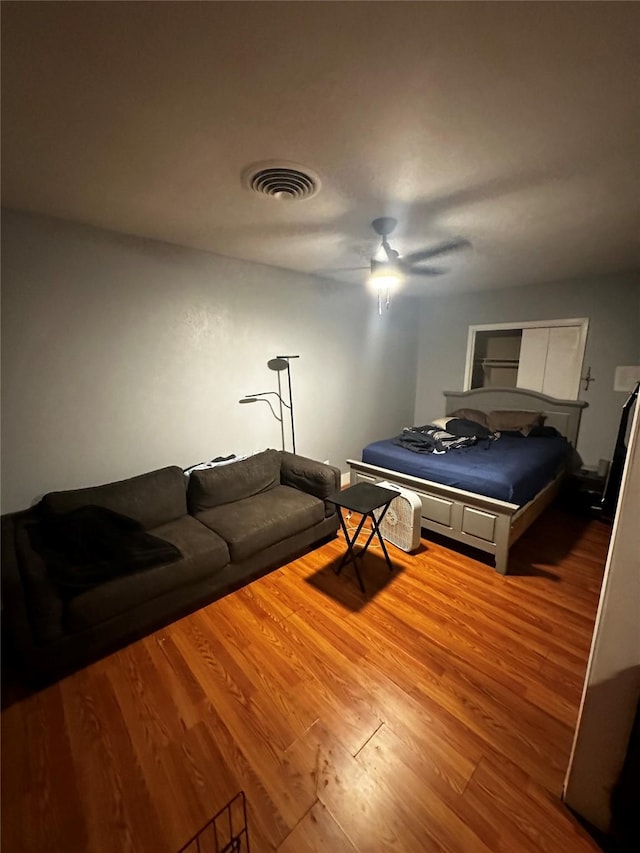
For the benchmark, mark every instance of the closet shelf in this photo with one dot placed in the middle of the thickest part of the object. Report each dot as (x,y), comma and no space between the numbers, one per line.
(497,362)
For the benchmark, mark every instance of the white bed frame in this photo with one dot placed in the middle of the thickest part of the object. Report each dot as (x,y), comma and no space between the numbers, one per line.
(485,523)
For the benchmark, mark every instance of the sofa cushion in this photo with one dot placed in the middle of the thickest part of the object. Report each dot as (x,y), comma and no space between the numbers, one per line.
(204,552)
(234,482)
(255,523)
(196,541)
(91,545)
(151,499)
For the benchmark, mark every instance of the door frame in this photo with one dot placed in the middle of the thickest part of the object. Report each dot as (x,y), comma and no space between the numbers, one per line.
(582,322)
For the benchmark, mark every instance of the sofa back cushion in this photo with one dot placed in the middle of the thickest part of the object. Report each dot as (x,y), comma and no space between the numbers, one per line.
(234,482)
(151,499)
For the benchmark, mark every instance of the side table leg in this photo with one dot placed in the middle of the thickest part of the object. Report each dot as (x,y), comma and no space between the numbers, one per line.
(379,535)
(375,531)
(350,553)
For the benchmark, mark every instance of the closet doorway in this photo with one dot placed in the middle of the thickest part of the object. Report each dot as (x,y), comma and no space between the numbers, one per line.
(543,355)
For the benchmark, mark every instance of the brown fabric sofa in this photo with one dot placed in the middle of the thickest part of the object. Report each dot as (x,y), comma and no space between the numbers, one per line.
(230,523)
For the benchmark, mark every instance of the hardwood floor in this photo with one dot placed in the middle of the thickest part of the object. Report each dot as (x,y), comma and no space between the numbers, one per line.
(434,712)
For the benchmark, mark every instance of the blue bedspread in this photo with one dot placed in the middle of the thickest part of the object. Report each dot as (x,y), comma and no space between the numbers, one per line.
(512,469)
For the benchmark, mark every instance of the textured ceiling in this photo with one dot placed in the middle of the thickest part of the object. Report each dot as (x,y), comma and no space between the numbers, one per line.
(513,125)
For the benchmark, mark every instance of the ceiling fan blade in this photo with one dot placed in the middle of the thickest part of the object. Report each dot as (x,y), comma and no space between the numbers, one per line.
(391,266)
(345,269)
(428,272)
(443,248)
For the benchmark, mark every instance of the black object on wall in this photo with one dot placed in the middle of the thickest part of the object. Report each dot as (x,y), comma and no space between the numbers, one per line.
(612,487)
(625,797)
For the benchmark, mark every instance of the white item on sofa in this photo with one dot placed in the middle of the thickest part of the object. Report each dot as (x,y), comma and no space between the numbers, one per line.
(201,466)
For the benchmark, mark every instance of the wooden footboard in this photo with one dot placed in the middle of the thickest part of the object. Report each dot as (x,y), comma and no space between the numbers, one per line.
(485,523)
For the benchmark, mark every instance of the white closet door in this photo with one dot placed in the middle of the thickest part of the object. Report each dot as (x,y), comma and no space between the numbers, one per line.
(564,363)
(533,358)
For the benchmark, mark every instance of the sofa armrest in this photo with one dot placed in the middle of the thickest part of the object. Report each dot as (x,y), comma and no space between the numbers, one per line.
(308,475)
(15,618)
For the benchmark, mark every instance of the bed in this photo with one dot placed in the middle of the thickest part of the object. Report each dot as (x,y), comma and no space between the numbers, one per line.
(487,513)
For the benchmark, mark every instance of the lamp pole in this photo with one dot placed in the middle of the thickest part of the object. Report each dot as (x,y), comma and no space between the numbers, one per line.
(293,431)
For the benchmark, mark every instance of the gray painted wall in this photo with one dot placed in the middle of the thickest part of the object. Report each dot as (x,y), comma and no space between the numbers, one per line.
(612,306)
(121,355)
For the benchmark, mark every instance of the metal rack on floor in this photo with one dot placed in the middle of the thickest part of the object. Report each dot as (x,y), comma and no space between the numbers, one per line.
(227,830)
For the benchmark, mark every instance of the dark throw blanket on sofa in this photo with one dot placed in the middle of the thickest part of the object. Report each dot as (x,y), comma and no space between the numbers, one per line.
(91,545)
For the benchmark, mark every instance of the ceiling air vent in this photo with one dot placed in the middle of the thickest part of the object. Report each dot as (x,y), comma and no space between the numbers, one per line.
(281,180)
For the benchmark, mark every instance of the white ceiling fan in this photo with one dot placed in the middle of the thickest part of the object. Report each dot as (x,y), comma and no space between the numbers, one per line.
(389,268)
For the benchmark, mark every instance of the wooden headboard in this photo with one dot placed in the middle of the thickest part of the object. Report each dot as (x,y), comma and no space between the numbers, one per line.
(564,415)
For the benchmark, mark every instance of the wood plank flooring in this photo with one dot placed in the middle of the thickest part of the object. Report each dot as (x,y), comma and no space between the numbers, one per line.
(433,713)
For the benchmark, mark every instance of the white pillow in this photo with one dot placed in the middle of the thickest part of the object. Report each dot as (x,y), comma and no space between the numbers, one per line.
(213,464)
(441,423)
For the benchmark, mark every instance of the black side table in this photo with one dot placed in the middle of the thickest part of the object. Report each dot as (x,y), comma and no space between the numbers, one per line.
(364,498)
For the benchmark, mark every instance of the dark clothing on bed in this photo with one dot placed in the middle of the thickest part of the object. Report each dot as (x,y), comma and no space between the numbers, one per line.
(429,439)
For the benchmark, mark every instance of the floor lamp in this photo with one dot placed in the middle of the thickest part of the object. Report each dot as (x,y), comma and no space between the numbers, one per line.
(279,363)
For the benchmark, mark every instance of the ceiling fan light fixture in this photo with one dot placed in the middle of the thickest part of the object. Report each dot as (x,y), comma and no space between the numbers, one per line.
(385,280)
